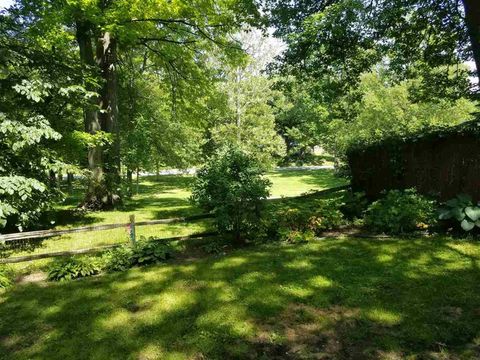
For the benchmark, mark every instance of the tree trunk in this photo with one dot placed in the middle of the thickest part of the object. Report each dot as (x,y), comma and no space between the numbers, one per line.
(472,17)
(53,178)
(92,124)
(106,57)
(69,181)
(138,181)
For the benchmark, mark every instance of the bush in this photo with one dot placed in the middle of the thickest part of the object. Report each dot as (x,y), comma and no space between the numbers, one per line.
(400,212)
(73,268)
(327,216)
(297,224)
(232,187)
(213,247)
(462,209)
(118,259)
(147,252)
(5,277)
(296,236)
(355,205)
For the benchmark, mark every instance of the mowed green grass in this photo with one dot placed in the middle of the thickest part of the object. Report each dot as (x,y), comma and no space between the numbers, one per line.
(157,198)
(330,299)
(167,196)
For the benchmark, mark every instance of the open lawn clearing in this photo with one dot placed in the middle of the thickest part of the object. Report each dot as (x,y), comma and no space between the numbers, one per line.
(167,196)
(334,298)
(162,197)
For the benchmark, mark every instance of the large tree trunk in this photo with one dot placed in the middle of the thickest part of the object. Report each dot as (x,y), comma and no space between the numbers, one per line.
(104,165)
(107,61)
(472,17)
(92,124)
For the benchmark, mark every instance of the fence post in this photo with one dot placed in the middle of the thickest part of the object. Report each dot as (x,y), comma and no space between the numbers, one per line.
(132,229)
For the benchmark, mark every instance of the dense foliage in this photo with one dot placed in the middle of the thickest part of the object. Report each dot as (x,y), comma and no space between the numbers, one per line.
(73,268)
(463,210)
(232,186)
(338,40)
(400,212)
(145,252)
(387,111)
(121,84)
(5,277)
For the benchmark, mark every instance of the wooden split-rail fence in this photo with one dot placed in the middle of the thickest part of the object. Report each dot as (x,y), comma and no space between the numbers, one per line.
(131,225)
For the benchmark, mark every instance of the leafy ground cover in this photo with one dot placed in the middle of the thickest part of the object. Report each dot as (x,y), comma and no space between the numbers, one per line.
(334,298)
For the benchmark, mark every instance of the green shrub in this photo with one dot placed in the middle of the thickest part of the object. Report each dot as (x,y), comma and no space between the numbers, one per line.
(118,259)
(296,236)
(327,216)
(462,209)
(293,224)
(354,206)
(400,212)
(5,277)
(231,185)
(147,252)
(73,268)
(213,247)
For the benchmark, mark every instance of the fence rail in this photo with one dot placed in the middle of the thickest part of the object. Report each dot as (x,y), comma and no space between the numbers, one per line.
(41,234)
(18,259)
(50,233)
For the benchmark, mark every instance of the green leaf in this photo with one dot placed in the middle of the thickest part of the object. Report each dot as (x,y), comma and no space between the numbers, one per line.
(445,214)
(452,203)
(464,198)
(473,212)
(458,214)
(467,225)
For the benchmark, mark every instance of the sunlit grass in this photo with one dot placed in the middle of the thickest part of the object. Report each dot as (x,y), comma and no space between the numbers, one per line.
(333,298)
(158,198)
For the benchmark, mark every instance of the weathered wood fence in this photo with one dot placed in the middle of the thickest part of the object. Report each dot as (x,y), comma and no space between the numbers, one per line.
(42,234)
(132,224)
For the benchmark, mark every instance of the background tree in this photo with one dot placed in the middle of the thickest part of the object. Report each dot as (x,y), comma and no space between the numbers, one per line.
(247,107)
(177,38)
(387,110)
(347,37)
(39,106)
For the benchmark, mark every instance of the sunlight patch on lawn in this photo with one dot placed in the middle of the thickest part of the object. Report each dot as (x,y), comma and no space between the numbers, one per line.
(232,261)
(385,258)
(297,291)
(117,320)
(383,316)
(299,264)
(154,351)
(320,281)
(254,277)
(230,318)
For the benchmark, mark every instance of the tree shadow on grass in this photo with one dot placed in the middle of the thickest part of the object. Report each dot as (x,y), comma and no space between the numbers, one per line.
(335,299)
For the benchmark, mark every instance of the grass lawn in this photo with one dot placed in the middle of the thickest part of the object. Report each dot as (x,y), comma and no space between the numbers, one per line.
(167,196)
(330,299)
(164,197)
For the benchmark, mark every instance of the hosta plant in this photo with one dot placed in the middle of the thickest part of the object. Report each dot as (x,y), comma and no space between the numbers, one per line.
(5,277)
(462,209)
(147,252)
(73,268)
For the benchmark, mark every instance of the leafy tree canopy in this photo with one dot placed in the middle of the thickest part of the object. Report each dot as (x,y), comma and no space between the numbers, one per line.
(338,40)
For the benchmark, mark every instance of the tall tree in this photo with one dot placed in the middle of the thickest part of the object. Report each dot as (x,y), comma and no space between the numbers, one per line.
(40,101)
(344,38)
(104,29)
